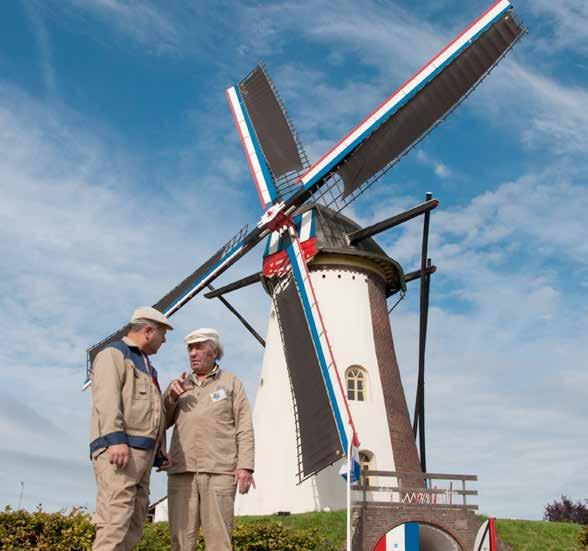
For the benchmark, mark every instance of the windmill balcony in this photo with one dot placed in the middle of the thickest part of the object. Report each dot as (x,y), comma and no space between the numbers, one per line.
(414,489)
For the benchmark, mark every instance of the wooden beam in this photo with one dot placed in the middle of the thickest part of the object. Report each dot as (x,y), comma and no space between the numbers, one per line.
(239,284)
(234,311)
(411,276)
(364,233)
(419,407)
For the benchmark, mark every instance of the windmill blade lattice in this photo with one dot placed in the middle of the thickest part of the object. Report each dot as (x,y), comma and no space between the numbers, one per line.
(279,141)
(321,411)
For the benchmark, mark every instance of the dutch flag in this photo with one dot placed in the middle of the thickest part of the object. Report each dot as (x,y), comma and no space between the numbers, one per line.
(352,465)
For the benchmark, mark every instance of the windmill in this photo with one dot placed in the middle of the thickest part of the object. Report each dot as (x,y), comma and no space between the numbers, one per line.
(297,198)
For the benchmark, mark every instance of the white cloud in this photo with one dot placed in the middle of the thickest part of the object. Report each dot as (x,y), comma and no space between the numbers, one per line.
(440,169)
(34,12)
(567,23)
(142,21)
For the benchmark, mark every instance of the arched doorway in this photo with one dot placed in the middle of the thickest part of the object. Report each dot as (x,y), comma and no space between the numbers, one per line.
(414,536)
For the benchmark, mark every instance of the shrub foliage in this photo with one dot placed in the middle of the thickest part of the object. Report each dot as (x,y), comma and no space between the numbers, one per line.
(566,510)
(43,531)
(73,531)
(583,539)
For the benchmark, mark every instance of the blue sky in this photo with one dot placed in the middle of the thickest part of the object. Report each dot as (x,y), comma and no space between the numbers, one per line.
(120,171)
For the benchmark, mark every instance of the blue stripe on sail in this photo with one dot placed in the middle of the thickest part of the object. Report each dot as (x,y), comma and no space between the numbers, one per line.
(317,344)
(269,182)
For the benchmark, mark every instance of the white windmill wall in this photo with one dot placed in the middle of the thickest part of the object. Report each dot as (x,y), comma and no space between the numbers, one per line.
(345,305)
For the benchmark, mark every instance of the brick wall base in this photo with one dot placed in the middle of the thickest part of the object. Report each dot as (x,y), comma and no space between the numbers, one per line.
(371,522)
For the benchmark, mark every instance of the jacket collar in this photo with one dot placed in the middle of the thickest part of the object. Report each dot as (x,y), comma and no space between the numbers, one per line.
(131,343)
(213,373)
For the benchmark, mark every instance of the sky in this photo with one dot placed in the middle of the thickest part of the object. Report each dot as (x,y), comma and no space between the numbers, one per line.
(121,171)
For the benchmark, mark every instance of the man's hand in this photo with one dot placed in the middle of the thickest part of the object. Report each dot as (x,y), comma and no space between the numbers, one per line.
(178,387)
(118,455)
(167,462)
(244,480)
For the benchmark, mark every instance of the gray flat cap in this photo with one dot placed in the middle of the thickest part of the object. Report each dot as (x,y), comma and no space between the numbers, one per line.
(205,334)
(146,313)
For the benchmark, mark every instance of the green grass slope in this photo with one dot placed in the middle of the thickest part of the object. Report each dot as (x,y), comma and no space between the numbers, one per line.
(531,535)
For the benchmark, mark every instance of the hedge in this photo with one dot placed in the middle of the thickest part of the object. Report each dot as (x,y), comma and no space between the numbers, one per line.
(73,531)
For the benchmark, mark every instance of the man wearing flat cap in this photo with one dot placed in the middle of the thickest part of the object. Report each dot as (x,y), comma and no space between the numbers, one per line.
(127,430)
(212,447)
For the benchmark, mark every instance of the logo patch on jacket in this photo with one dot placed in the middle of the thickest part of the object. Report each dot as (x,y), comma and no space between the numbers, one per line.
(218,395)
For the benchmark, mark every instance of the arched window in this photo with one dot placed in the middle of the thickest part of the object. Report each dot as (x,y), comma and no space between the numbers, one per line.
(356,383)
(366,461)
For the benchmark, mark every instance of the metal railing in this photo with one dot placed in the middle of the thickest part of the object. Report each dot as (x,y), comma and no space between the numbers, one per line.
(414,489)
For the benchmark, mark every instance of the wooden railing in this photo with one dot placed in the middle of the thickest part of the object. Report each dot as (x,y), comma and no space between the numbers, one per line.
(415,489)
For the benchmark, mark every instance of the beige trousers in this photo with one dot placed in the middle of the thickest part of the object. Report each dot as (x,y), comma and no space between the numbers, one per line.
(201,499)
(122,500)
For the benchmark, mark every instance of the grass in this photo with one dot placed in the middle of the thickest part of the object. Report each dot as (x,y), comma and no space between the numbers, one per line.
(535,535)
(331,525)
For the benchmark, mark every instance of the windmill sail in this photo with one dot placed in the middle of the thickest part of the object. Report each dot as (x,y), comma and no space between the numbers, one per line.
(320,444)
(321,409)
(430,104)
(275,155)
(414,109)
(271,125)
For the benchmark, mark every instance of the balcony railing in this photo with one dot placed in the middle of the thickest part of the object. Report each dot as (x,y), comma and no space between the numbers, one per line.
(414,489)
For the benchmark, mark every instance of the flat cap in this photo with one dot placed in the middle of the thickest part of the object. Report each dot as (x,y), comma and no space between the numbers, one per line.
(146,313)
(205,334)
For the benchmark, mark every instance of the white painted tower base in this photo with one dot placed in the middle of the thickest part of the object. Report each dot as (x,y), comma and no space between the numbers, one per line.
(344,301)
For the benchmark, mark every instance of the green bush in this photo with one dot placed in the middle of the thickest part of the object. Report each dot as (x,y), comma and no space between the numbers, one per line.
(274,536)
(41,531)
(258,536)
(583,539)
(73,531)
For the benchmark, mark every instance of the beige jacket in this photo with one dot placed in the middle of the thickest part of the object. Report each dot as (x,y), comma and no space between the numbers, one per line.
(127,406)
(213,432)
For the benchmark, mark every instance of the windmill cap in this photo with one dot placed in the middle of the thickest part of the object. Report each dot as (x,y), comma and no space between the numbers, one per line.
(148,314)
(205,334)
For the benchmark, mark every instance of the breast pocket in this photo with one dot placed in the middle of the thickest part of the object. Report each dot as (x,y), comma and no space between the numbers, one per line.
(139,411)
(222,404)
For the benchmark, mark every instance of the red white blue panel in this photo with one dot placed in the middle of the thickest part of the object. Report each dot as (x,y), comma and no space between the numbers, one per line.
(275,258)
(305,228)
(402,538)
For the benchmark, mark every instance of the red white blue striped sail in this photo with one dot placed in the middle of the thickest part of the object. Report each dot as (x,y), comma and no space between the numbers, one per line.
(403,94)
(333,384)
(259,169)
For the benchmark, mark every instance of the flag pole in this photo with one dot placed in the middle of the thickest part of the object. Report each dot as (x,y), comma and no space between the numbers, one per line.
(349,460)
